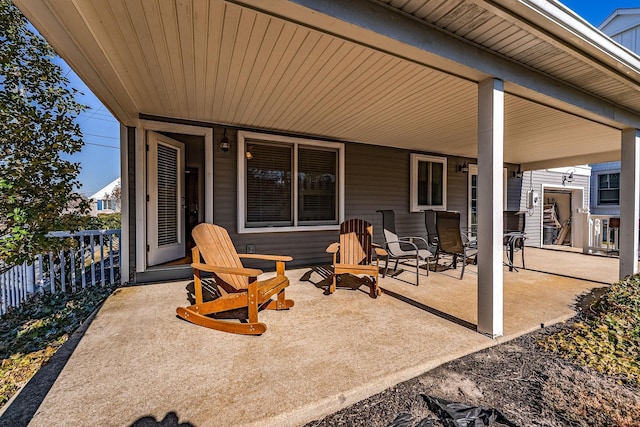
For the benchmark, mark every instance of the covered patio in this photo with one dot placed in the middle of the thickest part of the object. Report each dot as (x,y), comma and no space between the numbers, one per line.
(505,84)
(137,359)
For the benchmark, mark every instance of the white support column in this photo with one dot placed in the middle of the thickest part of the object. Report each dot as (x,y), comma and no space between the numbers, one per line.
(490,206)
(629,202)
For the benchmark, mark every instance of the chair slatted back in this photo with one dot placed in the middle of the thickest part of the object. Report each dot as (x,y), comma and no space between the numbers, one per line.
(448,226)
(356,237)
(216,248)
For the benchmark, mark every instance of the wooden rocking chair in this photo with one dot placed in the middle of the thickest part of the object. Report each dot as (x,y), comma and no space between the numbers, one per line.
(355,250)
(238,285)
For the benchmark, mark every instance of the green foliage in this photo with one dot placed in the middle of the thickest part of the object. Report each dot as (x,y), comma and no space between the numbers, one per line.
(37,135)
(33,332)
(609,340)
(104,222)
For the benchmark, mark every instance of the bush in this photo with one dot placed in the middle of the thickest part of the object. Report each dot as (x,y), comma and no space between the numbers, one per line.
(608,338)
(104,222)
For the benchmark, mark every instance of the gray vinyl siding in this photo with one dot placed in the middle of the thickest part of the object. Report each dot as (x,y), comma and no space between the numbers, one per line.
(376,178)
(535,180)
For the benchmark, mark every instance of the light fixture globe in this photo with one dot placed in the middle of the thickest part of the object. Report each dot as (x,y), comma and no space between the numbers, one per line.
(225,144)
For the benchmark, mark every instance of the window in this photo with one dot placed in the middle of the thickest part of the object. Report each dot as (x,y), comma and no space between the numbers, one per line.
(428,183)
(609,189)
(473,197)
(289,184)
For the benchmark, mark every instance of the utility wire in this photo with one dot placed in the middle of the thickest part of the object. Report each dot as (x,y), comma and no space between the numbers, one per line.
(102,145)
(101,136)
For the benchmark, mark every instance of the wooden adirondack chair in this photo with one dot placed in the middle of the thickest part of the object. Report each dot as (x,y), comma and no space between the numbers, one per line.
(238,285)
(355,251)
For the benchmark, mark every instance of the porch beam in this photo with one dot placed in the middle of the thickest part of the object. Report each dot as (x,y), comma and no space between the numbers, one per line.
(629,202)
(370,24)
(490,206)
(608,156)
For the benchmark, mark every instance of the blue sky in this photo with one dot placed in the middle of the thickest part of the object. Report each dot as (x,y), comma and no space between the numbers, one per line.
(100,158)
(596,11)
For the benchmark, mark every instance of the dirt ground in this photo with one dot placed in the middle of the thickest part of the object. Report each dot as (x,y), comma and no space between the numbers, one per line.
(529,386)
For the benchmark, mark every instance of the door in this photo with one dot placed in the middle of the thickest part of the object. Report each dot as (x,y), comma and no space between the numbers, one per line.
(192,202)
(165,199)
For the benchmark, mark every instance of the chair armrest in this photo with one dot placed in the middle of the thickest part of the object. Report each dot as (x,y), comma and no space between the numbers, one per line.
(404,242)
(333,248)
(266,257)
(249,272)
(412,238)
(380,251)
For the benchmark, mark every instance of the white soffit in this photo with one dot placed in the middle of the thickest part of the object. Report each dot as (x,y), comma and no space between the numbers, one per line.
(219,62)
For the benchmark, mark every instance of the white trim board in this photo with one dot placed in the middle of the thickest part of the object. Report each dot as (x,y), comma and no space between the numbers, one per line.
(141,173)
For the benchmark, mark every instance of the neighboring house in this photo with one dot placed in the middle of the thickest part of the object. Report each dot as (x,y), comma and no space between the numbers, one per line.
(605,189)
(623,26)
(278,120)
(563,193)
(104,201)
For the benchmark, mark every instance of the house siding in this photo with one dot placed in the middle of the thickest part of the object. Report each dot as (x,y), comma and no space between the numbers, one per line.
(624,28)
(535,180)
(376,178)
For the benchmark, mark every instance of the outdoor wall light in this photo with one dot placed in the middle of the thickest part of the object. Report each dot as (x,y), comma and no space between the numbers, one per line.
(567,178)
(462,167)
(517,174)
(225,145)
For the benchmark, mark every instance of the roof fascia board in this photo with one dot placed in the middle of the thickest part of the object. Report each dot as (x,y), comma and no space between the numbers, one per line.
(616,13)
(575,32)
(371,24)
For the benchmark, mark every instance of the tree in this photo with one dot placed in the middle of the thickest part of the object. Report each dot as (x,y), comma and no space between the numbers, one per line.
(113,198)
(38,133)
(116,196)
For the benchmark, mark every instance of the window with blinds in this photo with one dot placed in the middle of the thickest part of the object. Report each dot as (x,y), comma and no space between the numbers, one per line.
(317,185)
(290,183)
(268,181)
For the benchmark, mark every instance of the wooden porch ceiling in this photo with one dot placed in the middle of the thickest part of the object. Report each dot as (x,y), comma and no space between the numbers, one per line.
(223,62)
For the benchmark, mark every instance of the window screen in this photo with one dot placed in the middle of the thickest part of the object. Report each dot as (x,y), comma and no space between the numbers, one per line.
(268,184)
(317,185)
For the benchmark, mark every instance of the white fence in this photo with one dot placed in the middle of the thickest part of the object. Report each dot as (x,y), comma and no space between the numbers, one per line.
(600,236)
(95,261)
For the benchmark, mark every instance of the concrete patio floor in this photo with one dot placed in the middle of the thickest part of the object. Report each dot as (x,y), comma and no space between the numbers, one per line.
(137,359)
